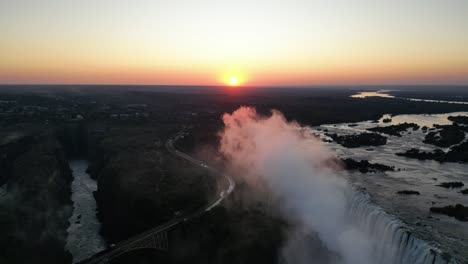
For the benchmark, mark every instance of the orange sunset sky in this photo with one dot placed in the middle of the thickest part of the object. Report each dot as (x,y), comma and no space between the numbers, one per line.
(293,42)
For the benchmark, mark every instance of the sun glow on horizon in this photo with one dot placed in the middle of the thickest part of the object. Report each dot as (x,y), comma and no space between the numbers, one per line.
(233,78)
(234,81)
(234,43)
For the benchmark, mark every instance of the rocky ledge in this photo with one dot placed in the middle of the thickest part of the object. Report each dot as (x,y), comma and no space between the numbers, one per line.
(34,211)
(358,140)
(458,211)
(395,130)
(446,136)
(459,119)
(451,184)
(408,192)
(458,153)
(365,166)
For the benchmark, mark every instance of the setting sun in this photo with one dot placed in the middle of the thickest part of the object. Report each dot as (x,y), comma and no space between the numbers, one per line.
(214,42)
(233,77)
(233,81)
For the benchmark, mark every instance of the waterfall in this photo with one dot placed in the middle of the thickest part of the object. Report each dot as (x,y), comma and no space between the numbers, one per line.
(393,243)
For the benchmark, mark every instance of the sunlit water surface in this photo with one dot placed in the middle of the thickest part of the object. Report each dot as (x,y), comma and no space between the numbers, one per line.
(386,94)
(382,93)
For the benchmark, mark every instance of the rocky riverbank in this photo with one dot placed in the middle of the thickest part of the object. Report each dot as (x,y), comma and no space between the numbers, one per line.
(365,166)
(141,185)
(427,190)
(446,136)
(358,140)
(457,153)
(394,130)
(35,208)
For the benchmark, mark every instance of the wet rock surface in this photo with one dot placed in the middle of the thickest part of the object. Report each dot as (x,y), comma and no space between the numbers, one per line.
(451,184)
(459,119)
(429,166)
(359,140)
(409,192)
(365,166)
(415,153)
(446,136)
(395,130)
(458,211)
(458,153)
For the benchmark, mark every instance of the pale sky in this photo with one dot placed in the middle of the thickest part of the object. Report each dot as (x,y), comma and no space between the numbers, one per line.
(290,42)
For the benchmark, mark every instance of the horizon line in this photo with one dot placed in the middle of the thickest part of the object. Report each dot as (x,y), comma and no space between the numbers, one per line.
(227,86)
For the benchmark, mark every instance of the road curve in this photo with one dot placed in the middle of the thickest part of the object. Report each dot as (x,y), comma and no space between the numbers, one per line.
(224,193)
(114,251)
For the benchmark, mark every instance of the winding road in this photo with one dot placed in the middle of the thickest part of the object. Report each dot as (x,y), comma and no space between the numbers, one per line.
(114,251)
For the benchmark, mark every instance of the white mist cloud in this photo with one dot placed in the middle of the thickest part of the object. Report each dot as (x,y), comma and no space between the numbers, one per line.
(293,165)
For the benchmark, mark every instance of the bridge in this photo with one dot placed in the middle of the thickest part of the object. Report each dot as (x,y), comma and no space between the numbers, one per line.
(156,238)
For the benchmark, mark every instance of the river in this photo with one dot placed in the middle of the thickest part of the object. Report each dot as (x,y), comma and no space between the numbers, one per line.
(386,94)
(83,239)
(440,231)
